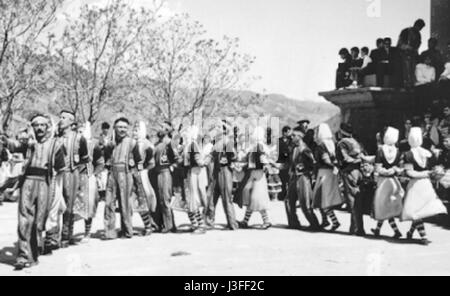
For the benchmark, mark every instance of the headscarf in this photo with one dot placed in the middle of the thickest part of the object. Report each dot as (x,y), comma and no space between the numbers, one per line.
(390,139)
(325,136)
(415,140)
(43,119)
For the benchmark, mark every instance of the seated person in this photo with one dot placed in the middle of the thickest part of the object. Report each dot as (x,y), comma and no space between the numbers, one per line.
(367,60)
(355,68)
(446,74)
(357,62)
(437,60)
(425,72)
(343,73)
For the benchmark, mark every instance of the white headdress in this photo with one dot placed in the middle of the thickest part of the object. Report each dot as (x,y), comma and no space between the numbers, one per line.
(389,140)
(325,136)
(415,140)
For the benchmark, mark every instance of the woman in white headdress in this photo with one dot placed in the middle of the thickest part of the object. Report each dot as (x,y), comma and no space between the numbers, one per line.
(255,194)
(196,181)
(388,200)
(327,194)
(421,200)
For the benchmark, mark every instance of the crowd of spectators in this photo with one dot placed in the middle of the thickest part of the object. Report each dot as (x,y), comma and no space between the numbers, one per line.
(401,66)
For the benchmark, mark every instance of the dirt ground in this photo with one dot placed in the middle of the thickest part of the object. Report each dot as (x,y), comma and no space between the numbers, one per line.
(252,252)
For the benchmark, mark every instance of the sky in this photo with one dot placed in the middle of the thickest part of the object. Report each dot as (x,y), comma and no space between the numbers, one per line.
(296,42)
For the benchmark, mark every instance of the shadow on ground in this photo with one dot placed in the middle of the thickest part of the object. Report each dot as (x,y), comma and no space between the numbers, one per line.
(8,255)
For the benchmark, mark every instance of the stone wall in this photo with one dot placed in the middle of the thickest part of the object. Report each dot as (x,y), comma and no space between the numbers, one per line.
(440,21)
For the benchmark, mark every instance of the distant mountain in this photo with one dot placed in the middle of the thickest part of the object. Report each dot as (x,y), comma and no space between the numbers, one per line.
(290,111)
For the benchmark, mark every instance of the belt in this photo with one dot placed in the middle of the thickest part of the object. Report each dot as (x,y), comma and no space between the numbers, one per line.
(119,167)
(38,172)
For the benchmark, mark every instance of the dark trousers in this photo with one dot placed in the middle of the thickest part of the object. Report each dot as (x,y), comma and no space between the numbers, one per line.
(163,217)
(119,187)
(408,69)
(300,190)
(33,209)
(222,186)
(71,186)
(352,194)
(284,176)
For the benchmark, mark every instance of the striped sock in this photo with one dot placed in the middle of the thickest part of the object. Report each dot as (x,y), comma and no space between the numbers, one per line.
(393,225)
(147,220)
(199,219)
(333,217)
(379,225)
(87,226)
(193,220)
(247,217)
(421,229)
(413,228)
(265,217)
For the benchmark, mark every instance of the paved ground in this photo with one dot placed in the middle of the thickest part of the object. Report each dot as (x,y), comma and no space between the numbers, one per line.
(277,251)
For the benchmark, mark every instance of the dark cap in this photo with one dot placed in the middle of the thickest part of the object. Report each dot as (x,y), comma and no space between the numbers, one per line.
(346,128)
(301,122)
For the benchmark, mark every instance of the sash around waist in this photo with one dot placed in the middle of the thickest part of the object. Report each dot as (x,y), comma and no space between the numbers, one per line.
(36,172)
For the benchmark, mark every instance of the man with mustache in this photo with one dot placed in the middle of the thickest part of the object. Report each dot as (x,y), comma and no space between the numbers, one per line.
(123,158)
(45,159)
(77,157)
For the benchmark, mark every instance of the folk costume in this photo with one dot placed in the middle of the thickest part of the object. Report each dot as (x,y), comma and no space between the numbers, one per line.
(327,194)
(388,200)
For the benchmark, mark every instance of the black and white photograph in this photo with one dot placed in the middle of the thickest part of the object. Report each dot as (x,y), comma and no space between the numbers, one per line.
(224,139)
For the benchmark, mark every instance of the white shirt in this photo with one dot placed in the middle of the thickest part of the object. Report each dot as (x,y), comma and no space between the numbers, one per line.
(446,73)
(425,74)
(366,61)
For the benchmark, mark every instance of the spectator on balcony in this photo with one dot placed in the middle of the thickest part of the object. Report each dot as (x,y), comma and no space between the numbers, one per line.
(355,68)
(356,60)
(425,72)
(425,90)
(377,54)
(367,60)
(435,55)
(409,43)
(393,63)
(343,72)
(380,61)
(444,77)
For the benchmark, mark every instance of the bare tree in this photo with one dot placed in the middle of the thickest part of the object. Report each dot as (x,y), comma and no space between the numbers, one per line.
(23,53)
(178,71)
(94,54)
